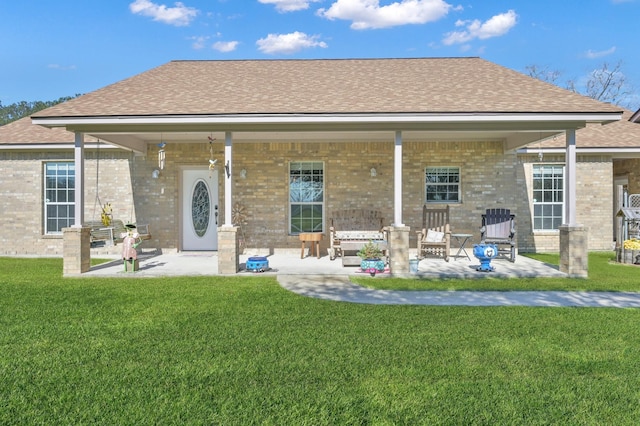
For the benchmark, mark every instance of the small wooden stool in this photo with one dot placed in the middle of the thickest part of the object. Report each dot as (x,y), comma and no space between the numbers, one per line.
(314,238)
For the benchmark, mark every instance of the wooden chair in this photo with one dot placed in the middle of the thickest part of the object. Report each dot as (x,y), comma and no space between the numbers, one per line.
(434,240)
(499,228)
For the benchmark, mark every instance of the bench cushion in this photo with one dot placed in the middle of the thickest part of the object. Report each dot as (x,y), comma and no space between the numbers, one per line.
(359,235)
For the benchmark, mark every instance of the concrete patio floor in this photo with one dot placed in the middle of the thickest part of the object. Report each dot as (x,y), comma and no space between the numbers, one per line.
(152,264)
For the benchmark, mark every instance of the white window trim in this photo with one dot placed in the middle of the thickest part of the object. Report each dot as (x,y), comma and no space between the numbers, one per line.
(424,189)
(46,204)
(323,202)
(543,232)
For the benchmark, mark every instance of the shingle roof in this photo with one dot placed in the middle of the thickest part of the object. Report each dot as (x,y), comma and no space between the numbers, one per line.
(342,86)
(619,134)
(23,132)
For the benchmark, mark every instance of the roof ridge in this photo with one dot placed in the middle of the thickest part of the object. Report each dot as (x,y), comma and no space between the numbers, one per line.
(326,59)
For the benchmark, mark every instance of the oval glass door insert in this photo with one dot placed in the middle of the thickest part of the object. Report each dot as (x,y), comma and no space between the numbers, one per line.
(200,208)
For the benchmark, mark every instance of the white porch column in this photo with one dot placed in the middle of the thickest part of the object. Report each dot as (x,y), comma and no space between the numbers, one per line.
(570,178)
(574,250)
(398,233)
(78,151)
(76,253)
(228,249)
(397,180)
(228,175)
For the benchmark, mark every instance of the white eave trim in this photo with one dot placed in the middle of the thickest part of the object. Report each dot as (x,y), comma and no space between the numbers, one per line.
(284,119)
(599,151)
(56,146)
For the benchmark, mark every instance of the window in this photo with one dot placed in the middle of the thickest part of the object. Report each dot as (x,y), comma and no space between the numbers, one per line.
(306,197)
(59,196)
(442,184)
(548,196)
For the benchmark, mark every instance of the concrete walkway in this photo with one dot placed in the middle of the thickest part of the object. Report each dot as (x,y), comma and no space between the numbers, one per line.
(326,279)
(339,288)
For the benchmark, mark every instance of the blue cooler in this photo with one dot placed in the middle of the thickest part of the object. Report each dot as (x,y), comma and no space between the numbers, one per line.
(257,264)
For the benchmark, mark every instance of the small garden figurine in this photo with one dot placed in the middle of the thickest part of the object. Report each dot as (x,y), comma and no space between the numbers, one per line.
(129,245)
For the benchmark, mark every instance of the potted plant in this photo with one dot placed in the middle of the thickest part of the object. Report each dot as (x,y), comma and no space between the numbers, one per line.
(371,256)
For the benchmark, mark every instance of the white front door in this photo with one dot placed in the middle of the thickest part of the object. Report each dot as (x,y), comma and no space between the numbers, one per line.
(200,211)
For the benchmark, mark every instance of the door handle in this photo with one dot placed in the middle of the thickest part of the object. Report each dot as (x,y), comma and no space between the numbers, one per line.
(216,213)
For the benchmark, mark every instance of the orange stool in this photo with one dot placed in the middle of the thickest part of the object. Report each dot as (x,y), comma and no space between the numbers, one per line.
(314,238)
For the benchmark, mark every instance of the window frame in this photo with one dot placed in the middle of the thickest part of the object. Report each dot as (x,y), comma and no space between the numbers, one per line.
(436,171)
(548,207)
(312,166)
(63,193)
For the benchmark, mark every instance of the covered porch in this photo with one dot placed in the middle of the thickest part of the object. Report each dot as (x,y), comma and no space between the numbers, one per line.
(229,235)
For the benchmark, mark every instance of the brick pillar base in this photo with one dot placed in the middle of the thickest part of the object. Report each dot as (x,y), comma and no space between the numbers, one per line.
(399,250)
(228,250)
(574,259)
(76,253)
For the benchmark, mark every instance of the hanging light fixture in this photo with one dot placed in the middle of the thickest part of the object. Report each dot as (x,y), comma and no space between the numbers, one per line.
(161,153)
(540,154)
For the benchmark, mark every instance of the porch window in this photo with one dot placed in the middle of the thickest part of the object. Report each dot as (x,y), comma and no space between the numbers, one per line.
(306,197)
(59,196)
(548,196)
(442,184)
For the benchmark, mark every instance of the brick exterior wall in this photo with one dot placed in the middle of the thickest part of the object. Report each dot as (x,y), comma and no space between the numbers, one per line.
(349,184)
(594,205)
(490,178)
(22,194)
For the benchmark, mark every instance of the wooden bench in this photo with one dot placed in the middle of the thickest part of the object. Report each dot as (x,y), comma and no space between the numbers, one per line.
(357,227)
(113,234)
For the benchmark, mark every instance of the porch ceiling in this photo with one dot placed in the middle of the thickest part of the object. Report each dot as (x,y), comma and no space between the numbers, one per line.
(515,130)
(137,141)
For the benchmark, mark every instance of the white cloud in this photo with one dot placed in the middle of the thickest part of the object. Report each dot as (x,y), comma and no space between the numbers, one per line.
(61,67)
(494,27)
(288,43)
(225,46)
(199,42)
(595,55)
(180,15)
(289,5)
(367,14)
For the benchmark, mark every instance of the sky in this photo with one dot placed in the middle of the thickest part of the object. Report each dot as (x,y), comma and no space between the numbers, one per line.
(57,48)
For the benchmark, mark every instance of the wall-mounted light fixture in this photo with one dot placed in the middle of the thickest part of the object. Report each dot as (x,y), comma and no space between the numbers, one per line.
(374,172)
(243,173)
(155,174)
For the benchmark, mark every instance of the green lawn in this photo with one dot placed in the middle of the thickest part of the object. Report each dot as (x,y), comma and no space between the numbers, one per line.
(242,350)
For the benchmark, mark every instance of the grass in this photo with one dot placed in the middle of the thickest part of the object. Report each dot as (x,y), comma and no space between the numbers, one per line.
(604,275)
(242,350)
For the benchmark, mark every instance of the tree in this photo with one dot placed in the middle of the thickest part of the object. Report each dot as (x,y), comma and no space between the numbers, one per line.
(544,73)
(603,84)
(17,110)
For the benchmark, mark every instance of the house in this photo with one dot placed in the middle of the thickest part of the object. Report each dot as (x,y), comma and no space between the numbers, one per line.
(362,133)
